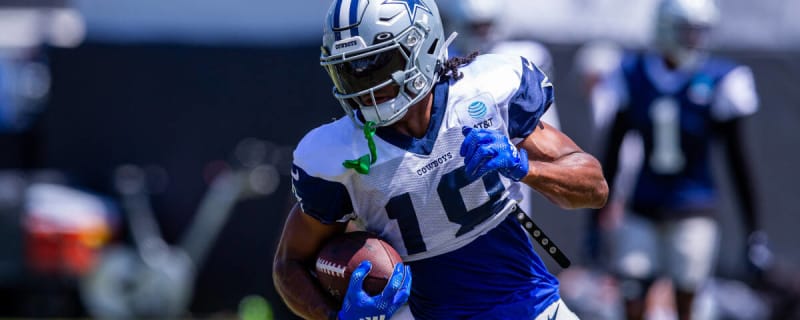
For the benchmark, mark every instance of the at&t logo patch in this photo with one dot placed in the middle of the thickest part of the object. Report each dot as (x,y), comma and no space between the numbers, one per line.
(477,110)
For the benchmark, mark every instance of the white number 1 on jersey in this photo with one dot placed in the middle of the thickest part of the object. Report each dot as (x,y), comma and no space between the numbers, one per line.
(667,157)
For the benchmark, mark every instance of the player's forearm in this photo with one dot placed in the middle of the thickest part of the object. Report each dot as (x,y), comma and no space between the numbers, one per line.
(572,181)
(300,291)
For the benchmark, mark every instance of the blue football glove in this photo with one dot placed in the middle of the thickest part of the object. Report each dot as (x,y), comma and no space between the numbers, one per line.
(360,305)
(487,150)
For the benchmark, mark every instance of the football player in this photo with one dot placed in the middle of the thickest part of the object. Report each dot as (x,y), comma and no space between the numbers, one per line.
(430,158)
(678,99)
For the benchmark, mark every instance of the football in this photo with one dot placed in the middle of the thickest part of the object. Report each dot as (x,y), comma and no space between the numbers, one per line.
(342,254)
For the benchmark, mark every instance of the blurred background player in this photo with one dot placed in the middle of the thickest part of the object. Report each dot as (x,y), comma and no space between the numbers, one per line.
(679,100)
(478,24)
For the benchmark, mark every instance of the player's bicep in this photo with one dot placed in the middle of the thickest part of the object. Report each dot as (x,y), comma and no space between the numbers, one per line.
(548,144)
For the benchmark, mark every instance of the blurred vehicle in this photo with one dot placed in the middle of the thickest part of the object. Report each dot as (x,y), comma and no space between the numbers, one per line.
(64,229)
(53,233)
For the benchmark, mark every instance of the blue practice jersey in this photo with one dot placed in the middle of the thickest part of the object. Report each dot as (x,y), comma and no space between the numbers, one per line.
(676,112)
(467,255)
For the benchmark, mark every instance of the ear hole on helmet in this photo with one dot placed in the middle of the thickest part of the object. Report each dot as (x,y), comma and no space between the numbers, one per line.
(432,49)
(383,37)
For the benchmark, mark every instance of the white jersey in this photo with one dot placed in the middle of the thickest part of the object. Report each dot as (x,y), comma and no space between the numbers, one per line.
(416,195)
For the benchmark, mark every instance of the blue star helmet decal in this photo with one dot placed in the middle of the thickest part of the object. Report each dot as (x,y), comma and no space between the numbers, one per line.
(411,6)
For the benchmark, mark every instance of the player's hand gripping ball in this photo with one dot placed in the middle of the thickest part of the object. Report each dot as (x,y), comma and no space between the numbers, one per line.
(361,267)
(486,150)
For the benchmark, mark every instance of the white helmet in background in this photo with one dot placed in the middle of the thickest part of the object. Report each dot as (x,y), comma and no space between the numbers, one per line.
(475,21)
(368,45)
(682,28)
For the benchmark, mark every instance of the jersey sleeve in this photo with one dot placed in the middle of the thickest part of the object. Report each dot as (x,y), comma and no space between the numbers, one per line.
(327,201)
(736,96)
(532,98)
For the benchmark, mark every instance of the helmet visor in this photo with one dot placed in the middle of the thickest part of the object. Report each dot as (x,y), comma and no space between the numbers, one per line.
(365,72)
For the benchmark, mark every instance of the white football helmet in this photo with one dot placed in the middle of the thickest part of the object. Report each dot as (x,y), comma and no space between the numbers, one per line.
(476,22)
(682,28)
(371,44)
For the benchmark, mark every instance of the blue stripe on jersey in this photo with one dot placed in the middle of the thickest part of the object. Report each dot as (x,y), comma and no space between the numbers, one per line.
(529,102)
(425,144)
(494,272)
(336,24)
(327,201)
(353,17)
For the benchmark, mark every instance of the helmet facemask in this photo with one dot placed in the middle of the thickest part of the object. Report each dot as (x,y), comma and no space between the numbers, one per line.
(357,76)
(383,56)
(686,44)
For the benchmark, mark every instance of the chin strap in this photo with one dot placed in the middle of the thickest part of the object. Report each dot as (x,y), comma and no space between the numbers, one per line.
(362,164)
